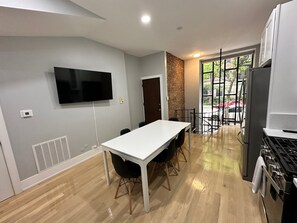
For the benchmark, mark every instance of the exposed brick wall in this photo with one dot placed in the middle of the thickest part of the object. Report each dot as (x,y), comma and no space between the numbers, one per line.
(175,83)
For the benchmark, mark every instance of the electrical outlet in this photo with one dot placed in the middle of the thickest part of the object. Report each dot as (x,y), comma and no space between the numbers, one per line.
(121,100)
(26,113)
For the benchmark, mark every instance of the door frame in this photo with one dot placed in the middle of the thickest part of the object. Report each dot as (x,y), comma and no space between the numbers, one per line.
(161,93)
(9,157)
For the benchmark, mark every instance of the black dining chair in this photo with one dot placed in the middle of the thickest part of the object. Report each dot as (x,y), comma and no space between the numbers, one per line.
(141,124)
(129,173)
(165,158)
(124,131)
(179,142)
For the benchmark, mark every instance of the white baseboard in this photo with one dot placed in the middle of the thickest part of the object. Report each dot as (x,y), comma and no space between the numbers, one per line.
(44,175)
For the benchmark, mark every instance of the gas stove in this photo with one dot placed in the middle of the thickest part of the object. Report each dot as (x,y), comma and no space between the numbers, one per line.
(279,151)
(285,150)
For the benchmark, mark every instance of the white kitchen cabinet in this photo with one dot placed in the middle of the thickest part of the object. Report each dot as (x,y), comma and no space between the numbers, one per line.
(282,102)
(267,39)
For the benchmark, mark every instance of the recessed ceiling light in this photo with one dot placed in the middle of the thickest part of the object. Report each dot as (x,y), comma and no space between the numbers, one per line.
(145,19)
(196,55)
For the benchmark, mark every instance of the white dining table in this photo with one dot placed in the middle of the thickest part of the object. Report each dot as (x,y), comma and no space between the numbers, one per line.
(142,145)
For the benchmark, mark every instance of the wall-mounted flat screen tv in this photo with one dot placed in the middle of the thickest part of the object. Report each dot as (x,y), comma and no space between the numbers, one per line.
(74,85)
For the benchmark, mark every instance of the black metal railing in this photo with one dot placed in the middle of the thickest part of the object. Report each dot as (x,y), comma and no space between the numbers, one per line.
(187,115)
(202,123)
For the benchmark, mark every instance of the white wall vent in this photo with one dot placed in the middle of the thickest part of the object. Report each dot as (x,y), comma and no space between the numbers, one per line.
(51,153)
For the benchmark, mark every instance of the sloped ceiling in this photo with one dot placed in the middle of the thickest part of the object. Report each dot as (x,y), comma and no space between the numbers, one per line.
(179,27)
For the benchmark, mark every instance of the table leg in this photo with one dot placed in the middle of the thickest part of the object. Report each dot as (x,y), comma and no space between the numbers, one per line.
(106,167)
(145,191)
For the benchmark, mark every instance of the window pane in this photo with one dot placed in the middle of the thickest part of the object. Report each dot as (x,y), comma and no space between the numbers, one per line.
(207,103)
(217,77)
(230,82)
(218,104)
(218,90)
(245,60)
(207,67)
(243,72)
(207,89)
(207,77)
(231,63)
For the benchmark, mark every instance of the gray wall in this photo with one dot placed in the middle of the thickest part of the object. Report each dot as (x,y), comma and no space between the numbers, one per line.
(155,64)
(133,72)
(27,82)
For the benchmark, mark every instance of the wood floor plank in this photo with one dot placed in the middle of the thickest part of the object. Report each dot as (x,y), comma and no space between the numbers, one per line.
(208,189)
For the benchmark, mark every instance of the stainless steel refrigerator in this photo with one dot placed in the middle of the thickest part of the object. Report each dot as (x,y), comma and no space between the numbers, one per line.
(254,92)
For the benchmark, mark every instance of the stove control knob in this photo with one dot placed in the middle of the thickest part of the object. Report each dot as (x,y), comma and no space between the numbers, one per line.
(264,147)
(264,150)
(269,157)
(277,173)
(273,167)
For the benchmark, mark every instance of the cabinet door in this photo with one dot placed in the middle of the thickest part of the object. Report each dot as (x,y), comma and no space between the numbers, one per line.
(269,29)
(262,48)
(267,40)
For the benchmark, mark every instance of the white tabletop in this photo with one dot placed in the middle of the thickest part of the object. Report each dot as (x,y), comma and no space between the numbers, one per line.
(142,142)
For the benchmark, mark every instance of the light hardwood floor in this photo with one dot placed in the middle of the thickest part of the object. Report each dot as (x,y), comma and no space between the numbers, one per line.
(208,189)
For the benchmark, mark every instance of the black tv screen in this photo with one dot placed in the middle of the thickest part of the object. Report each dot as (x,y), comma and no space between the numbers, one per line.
(74,85)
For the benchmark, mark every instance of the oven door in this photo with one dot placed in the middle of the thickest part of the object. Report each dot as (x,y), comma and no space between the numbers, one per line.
(273,199)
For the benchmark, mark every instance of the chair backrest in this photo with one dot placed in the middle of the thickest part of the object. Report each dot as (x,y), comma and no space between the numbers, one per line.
(123,169)
(173,119)
(166,154)
(141,124)
(180,139)
(171,150)
(124,131)
(119,165)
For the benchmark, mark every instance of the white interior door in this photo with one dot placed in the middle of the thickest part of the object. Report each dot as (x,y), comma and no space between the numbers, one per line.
(6,189)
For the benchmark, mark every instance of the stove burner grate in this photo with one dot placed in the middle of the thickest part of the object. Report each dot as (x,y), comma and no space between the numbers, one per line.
(286,150)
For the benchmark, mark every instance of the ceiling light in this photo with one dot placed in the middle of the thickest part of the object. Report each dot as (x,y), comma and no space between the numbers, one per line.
(145,19)
(196,55)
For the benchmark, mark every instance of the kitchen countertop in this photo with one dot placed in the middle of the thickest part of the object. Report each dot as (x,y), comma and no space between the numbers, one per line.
(280,133)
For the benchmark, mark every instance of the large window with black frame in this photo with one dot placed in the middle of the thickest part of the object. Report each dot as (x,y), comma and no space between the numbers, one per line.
(221,90)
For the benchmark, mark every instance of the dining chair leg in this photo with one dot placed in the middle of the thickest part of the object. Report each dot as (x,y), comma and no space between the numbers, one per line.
(117,191)
(129,192)
(175,169)
(167,175)
(176,156)
(182,152)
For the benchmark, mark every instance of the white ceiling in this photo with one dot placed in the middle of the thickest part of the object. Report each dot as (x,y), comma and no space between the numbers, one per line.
(207,25)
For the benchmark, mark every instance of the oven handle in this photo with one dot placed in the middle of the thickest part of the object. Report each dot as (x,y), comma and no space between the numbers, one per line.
(279,191)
